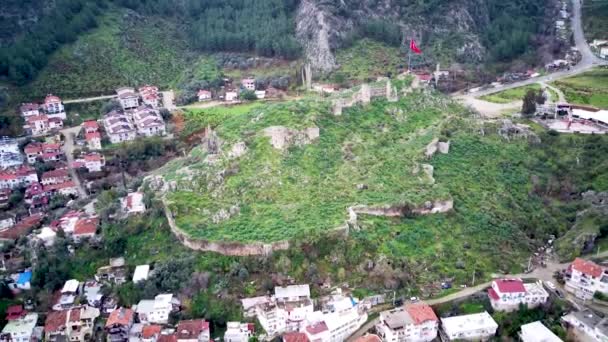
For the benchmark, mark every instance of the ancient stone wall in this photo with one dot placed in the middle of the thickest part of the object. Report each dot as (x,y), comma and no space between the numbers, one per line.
(364,96)
(225,248)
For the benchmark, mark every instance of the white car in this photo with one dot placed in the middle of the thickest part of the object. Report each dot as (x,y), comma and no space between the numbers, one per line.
(550,285)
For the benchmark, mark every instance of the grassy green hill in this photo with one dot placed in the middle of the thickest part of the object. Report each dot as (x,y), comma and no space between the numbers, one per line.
(589,88)
(507,194)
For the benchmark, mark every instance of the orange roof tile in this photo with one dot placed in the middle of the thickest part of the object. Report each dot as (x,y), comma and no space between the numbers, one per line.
(587,267)
(421,312)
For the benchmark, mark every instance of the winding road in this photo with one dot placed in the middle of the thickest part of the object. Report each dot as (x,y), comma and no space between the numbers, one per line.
(588,60)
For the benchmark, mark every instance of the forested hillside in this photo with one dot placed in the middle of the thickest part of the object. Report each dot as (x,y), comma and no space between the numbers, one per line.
(465,31)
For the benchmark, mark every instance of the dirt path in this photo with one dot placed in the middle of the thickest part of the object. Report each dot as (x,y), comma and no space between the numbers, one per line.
(90,99)
(560,95)
(68,150)
(490,109)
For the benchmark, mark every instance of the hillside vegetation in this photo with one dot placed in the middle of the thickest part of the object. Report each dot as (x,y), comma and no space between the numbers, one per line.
(590,88)
(508,195)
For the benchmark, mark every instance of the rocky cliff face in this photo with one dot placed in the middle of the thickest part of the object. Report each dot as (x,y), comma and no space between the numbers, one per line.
(322,26)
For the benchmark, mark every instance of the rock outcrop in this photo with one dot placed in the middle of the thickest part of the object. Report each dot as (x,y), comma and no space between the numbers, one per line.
(436,146)
(282,137)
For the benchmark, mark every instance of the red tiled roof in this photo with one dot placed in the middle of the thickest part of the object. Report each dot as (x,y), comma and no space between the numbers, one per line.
(56,173)
(368,338)
(121,316)
(421,312)
(191,328)
(55,320)
(14,310)
(295,337)
(86,226)
(317,328)
(92,135)
(587,267)
(51,98)
(26,107)
(93,157)
(59,186)
(492,294)
(37,118)
(90,124)
(167,338)
(22,227)
(510,285)
(51,146)
(33,148)
(7,176)
(150,331)
(75,315)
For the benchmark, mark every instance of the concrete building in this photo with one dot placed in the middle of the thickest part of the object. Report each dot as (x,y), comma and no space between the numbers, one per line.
(588,324)
(537,332)
(141,273)
(412,322)
(586,278)
(21,329)
(133,203)
(127,98)
(148,122)
(238,332)
(53,107)
(74,325)
(157,310)
(149,96)
(119,127)
(508,294)
(339,319)
(474,327)
(248,83)
(118,325)
(196,330)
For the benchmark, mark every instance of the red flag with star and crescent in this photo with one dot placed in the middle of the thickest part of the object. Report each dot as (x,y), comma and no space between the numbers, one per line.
(414,48)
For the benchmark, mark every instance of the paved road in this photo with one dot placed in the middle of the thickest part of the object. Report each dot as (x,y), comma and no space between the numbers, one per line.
(68,150)
(541,273)
(588,59)
(169,99)
(90,99)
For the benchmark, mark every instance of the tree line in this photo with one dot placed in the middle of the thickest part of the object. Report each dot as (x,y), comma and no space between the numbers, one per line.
(22,61)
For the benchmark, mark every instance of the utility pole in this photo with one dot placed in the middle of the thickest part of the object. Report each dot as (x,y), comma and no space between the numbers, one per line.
(473,283)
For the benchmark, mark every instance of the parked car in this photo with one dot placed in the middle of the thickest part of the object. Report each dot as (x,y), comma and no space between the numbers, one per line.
(550,285)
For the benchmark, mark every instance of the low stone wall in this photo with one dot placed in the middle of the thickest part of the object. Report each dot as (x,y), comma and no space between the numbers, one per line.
(364,96)
(225,248)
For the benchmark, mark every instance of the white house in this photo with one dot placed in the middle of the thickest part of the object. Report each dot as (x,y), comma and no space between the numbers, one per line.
(22,329)
(6,221)
(476,327)
(94,162)
(38,124)
(604,52)
(587,323)
(260,94)
(340,318)
(119,127)
(508,294)
(195,330)
(29,109)
(149,95)
(537,332)
(204,95)
(53,107)
(93,140)
(133,203)
(127,98)
(231,96)
(412,322)
(586,278)
(237,332)
(9,145)
(286,311)
(248,83)
(47,236)
(148,122)
(141,273)
(157,310)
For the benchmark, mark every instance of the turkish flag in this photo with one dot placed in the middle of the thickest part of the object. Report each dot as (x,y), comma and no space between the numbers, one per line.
(414,48)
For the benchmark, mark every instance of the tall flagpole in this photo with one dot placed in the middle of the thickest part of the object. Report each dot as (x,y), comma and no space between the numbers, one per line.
(409,56)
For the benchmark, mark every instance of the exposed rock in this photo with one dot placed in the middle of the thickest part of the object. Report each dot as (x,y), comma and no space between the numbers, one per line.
(313,31)
(237,150)
(435,207)
(362,187)
(443,147)
(431,148)
(282,137)
(509,130)
(428,170)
